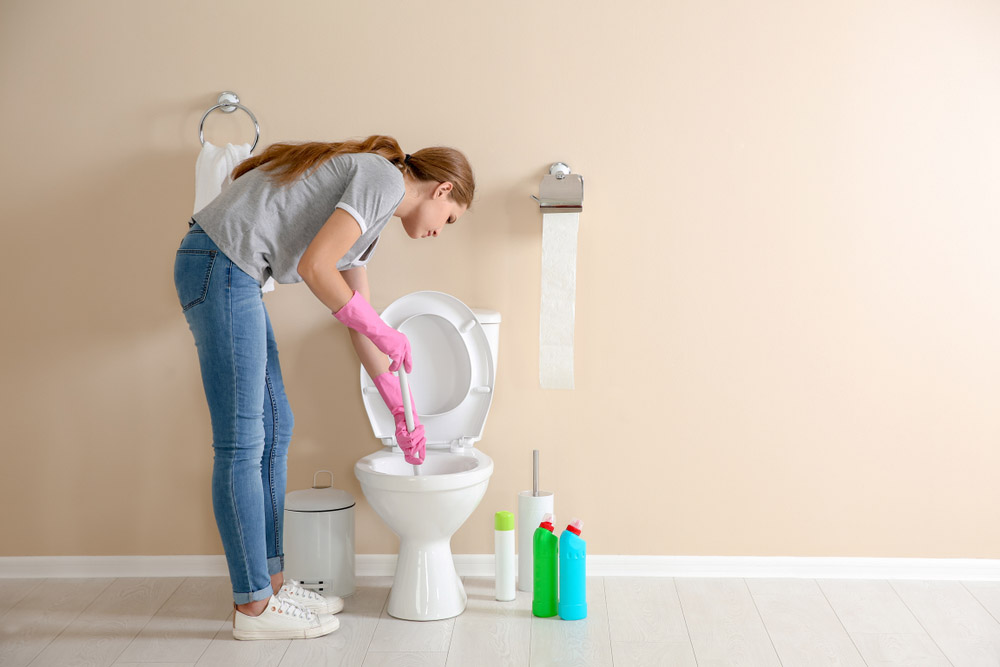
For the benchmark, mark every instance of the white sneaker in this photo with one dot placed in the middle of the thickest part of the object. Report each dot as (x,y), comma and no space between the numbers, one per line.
(311,600)
(283,619)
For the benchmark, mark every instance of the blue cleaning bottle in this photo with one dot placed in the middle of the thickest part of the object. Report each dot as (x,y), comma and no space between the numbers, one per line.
(572,573)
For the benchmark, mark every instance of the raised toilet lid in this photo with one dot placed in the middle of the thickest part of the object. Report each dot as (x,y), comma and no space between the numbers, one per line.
(453,375)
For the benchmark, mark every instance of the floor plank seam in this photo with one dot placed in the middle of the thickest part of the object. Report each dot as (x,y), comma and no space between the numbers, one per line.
(687,627)
(148,621)
(208,644)
(378,621)
(777,656)
(921,624)
(288,645)
(531,623)
(32,590)
(841,621)
(607,614)
(976,598)
(72,620)
(451,636)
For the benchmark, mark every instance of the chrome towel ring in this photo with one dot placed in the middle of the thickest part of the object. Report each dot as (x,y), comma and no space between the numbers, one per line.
(228,103)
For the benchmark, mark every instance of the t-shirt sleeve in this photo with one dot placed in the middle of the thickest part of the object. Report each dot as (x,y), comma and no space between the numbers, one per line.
(372,193)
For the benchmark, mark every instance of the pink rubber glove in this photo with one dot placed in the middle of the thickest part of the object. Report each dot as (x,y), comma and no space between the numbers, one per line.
(359,315)
(413,443)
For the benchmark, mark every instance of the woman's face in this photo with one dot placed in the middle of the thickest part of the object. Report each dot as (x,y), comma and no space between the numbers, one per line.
(433,213)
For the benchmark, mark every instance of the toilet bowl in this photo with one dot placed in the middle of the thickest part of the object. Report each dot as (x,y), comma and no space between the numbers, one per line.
(454,357)
(425,511)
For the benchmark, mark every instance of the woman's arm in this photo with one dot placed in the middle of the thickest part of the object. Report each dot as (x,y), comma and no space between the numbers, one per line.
(413,443)
(318,266)
(374,361)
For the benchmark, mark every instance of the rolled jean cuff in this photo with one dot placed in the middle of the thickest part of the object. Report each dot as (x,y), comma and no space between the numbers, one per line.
(275,565)
(244,598)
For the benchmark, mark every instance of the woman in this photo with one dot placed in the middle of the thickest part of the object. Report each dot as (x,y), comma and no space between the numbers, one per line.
(305,212)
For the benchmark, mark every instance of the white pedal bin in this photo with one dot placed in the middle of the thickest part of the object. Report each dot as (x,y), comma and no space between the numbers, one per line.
(319,538)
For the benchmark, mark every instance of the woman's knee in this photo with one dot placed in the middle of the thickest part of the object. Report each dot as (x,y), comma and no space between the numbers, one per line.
(242,449)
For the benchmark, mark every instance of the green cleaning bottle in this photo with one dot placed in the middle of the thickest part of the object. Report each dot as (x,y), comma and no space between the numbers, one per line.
(545,554)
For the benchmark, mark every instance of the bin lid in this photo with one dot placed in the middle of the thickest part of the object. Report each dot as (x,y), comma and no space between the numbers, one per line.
(319,498)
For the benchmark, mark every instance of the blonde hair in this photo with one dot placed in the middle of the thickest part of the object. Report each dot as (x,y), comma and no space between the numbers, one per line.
(285,163)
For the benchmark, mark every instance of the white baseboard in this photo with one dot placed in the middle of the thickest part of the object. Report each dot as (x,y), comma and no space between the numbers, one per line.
(481,565)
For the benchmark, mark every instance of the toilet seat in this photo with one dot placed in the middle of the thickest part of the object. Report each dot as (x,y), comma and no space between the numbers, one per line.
(452,378)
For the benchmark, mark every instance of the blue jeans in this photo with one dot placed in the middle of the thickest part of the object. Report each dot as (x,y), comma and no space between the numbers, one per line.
(251,418)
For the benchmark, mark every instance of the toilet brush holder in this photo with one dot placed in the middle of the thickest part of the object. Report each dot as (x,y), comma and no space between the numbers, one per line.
(530,510)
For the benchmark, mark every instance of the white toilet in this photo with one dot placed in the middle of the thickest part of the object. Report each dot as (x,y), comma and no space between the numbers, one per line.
(454,361)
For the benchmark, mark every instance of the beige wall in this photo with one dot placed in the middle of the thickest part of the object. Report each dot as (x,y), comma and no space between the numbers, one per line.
(787,296)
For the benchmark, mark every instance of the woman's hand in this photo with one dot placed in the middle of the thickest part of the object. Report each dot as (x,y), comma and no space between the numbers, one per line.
(359,315)
(413,443)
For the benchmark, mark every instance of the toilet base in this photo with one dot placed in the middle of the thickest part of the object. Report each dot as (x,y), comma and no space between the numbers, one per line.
(426,586)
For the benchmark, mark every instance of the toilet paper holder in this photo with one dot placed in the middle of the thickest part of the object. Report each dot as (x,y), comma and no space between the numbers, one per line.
(561,191)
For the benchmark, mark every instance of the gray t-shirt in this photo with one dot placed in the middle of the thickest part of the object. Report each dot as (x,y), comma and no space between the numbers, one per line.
(265,227)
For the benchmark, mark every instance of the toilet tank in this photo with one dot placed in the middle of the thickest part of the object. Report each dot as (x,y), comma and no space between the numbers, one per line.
(490,319)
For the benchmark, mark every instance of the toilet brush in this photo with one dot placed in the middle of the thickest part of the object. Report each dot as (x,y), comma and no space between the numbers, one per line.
(404,388)
(531,507)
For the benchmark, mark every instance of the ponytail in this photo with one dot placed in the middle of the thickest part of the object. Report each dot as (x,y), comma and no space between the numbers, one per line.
(286,163)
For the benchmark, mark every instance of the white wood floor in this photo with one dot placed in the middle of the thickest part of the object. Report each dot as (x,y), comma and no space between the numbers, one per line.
(633,622)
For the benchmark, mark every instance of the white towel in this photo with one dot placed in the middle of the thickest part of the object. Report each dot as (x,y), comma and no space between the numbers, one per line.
(213,171)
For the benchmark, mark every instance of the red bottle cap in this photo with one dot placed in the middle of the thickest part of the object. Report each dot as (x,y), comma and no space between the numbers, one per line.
(575,527)
(547,523)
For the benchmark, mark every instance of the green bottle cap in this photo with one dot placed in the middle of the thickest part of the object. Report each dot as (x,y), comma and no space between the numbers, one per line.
(504,521)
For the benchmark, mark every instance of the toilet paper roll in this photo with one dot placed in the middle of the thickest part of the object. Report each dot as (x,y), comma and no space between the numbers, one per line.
(530,510)
(558,309)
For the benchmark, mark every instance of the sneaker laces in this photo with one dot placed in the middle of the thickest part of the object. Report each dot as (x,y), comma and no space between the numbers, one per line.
(292,587)
(288,606)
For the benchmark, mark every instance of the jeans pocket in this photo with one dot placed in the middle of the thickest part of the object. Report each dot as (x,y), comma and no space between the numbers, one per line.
(192,273)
